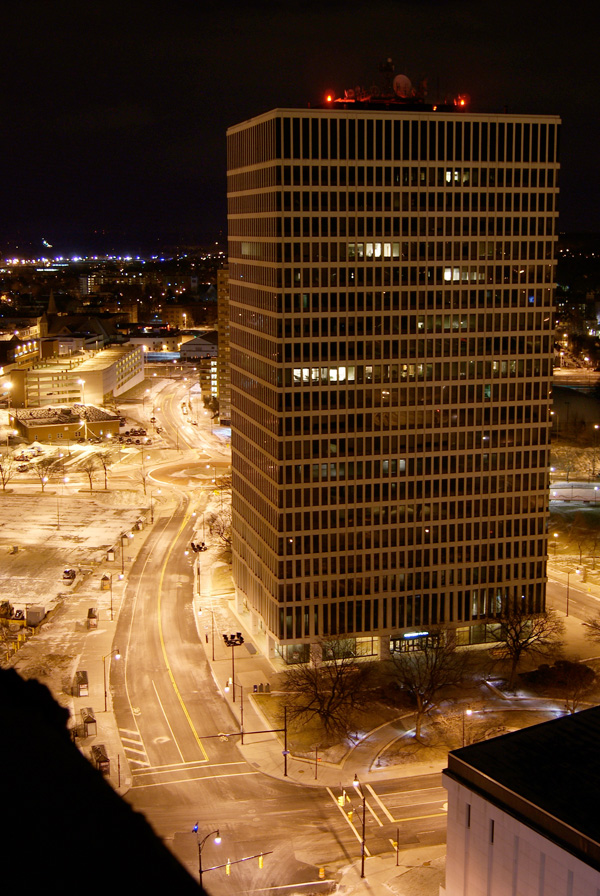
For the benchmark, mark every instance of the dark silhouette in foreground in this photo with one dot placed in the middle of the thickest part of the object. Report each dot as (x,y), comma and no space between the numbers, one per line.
(62,824)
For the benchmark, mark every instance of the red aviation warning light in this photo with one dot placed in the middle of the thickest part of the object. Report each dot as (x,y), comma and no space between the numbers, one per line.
(329,98)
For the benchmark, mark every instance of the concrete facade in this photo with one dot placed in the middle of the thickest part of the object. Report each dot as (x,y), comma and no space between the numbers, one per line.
(391,279)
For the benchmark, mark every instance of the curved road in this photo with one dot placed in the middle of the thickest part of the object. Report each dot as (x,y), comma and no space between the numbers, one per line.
(171,717)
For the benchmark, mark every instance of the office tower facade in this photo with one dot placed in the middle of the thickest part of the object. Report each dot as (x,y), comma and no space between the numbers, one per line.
(223,376)
(391,276)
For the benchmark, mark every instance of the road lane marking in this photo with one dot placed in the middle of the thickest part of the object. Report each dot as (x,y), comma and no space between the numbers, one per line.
(129,750)
(384,809)
(162,640)
(421,817)
(306,883)
(190,780)
(167,721)
(348,821)
(199,766)
(439,799)
(133,747)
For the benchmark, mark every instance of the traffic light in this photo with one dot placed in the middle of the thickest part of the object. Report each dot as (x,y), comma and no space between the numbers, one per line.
(261,860)
(350,814)
(228,867)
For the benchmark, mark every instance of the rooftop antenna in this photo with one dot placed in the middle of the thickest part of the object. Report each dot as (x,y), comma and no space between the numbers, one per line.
(387,68)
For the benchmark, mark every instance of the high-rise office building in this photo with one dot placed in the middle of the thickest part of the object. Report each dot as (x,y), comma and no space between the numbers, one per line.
(223,374)
(391,272)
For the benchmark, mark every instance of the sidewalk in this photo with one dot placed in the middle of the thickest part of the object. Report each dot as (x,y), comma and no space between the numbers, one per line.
(265,751)
(99,652)
(421,867)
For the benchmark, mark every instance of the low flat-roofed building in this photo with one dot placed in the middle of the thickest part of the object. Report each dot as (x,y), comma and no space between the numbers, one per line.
(523,811)
(17,353)
(160,340)
(111,372)
(62,425)
(94,379)
(203,346)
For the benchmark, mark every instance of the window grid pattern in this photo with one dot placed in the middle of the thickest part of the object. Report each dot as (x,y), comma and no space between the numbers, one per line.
(391,280)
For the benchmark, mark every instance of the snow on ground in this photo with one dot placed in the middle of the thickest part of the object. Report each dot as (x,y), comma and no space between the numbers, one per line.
(41,534)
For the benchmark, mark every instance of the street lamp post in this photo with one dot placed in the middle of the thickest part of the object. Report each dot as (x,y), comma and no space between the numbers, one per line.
(110,576)
(466,712)
(233,687)
(9,433)
(64,482)
(117,656)
(124,536)
(233,641)
(82,384)
(152,503)
(361,793)
(568,578)
(201,843)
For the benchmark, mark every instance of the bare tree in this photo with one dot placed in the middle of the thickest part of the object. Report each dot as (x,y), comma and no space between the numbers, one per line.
(44,470)
(7,470)
(332,691)
(570,680)
(143,475)
(105,459)
(424,674)
(90,468)
(521,634)
(220,525)
(592,628)
(565,458)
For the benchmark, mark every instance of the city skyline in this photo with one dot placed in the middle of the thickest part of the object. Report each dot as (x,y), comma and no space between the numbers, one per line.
(116,117)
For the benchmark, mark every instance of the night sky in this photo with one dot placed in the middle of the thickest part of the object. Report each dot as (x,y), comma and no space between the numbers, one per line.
(114,114)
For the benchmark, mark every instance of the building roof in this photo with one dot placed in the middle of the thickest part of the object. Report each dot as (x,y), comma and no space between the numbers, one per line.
(546,775)
(105,358)
(73,414)
(211,337)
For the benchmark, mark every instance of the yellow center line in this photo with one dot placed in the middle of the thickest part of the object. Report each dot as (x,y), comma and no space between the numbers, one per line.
(162,641)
